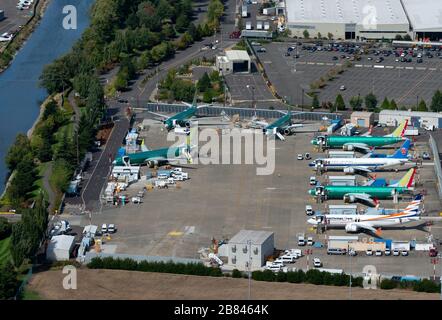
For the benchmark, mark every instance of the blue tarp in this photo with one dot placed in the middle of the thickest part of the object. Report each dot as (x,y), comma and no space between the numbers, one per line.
(121,152)
(387,242)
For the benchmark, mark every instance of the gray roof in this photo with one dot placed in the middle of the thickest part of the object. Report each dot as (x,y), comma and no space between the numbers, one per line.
(257,237)
(235,55)
(411,113)
(424,15)
(346,11)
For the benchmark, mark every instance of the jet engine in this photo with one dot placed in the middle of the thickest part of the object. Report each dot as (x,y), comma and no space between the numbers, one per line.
(348,147)
(287,132)
(351,227)
(152,163)
(187,124)
(349,198)
(126,161)
(349,170)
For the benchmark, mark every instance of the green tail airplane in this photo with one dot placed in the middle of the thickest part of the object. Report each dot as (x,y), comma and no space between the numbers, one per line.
(364,143)
(366,194)
(154,158)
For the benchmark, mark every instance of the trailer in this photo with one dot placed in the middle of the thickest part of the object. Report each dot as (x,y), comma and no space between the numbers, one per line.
(342,209)
(341,154)
(244,11)
(342,180)
(248,25)
(259,25)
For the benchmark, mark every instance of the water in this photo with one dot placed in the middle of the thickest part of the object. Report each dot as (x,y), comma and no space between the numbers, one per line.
(20,95)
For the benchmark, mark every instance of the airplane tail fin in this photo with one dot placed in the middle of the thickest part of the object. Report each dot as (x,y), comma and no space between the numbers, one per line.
(400,131)
(402,152)
(407,180)
(414,205)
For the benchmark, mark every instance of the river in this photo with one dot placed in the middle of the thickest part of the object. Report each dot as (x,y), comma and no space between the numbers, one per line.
(20,95)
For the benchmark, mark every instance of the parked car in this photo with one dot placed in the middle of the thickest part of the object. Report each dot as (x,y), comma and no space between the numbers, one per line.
(369,252)
(111,228)
(317,263)
(313,181)
(300,156)
(309,210)
(104,228)
(378,253)
(307,156)
(404,253)
(426,156)
(387,252)
(342,88)
(337,251)
(352,252)
(396,252)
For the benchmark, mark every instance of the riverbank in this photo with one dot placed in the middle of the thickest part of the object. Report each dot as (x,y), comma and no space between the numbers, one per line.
(14,46)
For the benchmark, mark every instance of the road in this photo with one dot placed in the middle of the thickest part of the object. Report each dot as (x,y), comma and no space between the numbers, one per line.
(138,93)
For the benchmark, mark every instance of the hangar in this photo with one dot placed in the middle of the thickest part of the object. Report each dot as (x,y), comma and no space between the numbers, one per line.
(233,61)
(426,120)
(425,18)
(347,19)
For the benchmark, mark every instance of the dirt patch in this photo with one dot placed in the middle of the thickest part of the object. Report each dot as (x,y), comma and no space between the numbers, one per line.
(117,284)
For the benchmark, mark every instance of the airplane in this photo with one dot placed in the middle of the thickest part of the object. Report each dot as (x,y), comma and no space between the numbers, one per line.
(154,158)
(366,194)
(371,222)
(361,143)
(279,128)
(183,118)
(365,164)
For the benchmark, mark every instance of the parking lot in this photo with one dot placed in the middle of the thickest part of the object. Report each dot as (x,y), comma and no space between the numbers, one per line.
(405,82)
(220,200)
(14,17)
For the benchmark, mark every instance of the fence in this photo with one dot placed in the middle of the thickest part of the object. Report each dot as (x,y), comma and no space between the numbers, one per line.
(437,165)
(214,111)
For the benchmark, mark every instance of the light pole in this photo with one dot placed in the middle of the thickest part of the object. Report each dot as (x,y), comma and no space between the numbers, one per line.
(249,265)
(253,96)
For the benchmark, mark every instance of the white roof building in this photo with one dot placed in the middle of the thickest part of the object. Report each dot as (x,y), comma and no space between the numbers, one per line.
(424,15)
(347,19)
(60,248)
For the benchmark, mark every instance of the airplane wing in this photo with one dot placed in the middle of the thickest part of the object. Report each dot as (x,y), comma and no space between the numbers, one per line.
(358,168)
(360,197)
(159,115)
(358,146)
(365,226)
(294,126)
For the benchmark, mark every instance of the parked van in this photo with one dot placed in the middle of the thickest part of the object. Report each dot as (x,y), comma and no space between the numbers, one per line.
(287,258)
(337,251)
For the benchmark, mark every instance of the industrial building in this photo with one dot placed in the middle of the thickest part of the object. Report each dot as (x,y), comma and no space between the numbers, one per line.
(362,119)
(347,19)
(426,120)
(60,248)
(234,61)
(250,245)
(425,18)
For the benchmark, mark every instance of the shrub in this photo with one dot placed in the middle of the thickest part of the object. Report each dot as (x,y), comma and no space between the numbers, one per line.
(5,228)
(236,273)
(426,285)
(388,284)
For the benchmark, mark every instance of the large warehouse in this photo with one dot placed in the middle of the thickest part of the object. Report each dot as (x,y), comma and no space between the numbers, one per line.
(425,18)
(429,120)
(347,19)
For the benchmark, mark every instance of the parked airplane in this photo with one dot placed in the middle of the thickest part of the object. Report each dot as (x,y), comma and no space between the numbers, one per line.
(280,128)
(357,222)
(154,158)
(365,194)
(362,143)
(365,164)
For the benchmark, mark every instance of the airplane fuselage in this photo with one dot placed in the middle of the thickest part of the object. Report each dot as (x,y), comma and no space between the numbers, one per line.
(338,192)
(180,118)
(370,163)
(285,120)
(340,141)
(375,221)
(142,157)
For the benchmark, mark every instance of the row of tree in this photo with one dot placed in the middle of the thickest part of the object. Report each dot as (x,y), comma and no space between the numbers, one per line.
(371,103)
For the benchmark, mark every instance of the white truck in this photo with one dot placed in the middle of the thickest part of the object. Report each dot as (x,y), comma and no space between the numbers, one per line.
(301,239)
(248,25)
(244,11)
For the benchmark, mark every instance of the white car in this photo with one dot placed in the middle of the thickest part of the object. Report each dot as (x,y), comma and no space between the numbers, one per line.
(111,228)
(342,88)
(313,181)
(309,210)
(369,252)
(387,252)
(300,156)
(104,228)
(274,268)
(396,252)
(378,253)
(317,263)
(404,253)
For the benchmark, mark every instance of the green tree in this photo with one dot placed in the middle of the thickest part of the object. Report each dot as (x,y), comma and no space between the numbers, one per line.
(8,281)
(306,34)
(385,104)
(407,37)
(393,105)
(371,102)
(5,228)
(182,23)
(23,180)
(19,149)
(422,106)
(330,36)
(315,102)
(204,83)
(356,103)
(436,102)
(319,35)
(339,103)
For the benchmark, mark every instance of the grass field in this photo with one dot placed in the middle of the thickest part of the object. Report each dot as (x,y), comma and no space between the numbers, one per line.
(5,253)
(38,184)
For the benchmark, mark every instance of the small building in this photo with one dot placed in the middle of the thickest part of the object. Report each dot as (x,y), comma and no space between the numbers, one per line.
(342,180)
(250,245)
(60,248)
(362,119)
(126,174)
(342,209)
(234,61)
(426,120)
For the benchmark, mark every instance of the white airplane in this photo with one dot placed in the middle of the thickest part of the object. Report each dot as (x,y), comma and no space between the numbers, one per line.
(371,222)
(367,163)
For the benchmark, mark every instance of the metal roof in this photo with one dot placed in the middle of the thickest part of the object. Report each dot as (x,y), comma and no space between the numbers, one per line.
(424,15)
(346,11)
(257,237)
(235,55)
(421,114)
(361,114)
(63,242)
